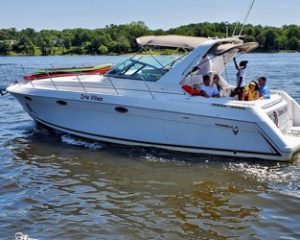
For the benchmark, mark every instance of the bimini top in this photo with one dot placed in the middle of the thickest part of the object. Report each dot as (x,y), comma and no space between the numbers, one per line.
(222,48)
(187,42)
(177,41)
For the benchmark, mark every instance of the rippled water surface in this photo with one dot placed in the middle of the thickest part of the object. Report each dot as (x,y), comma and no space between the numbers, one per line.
(55,186)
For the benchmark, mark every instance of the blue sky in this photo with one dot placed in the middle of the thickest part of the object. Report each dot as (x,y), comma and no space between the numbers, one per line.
(165,14)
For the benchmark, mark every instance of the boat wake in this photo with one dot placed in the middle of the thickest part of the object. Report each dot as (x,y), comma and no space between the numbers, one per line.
(157,156)
(140,153)
(281,178)
(71,140)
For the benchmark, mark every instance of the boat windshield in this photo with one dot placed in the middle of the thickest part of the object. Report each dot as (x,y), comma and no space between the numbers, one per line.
(146,68)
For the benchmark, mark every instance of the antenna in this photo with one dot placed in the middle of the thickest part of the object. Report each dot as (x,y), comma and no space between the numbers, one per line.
(246,18)
(226,25)
(236,24)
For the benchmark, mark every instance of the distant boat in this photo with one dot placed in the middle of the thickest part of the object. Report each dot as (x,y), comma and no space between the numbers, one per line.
(64,72)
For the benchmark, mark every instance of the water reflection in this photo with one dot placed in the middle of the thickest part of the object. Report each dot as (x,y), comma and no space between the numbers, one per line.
(106,192)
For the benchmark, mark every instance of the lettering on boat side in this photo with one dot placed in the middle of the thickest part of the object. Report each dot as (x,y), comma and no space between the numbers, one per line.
(91,97)
(235,129)
(282,111)
(276,115)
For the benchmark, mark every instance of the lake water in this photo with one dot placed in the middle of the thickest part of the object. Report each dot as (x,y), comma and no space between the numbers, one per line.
(54,186)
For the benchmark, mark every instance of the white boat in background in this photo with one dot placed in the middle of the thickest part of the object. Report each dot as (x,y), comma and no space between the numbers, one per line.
(141,102)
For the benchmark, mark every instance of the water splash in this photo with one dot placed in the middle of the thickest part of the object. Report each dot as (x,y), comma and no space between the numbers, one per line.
(282,178)
(70,140)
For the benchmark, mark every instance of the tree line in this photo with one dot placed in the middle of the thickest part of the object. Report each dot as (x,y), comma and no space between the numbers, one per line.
(120,39)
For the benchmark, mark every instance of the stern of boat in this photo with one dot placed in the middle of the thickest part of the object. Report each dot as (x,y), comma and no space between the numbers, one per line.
(284,112)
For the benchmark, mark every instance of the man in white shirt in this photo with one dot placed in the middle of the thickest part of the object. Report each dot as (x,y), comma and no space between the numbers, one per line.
(207,89)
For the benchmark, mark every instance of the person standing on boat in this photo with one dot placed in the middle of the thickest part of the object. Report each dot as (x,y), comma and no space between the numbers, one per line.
(240,81)
(264,91)
(207,89)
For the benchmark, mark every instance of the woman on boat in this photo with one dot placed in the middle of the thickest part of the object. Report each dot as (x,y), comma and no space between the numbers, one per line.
(251,92)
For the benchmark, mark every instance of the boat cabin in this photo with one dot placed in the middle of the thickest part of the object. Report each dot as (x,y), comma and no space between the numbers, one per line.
(173,72)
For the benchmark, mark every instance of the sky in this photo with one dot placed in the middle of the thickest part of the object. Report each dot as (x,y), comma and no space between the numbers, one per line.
(157,14)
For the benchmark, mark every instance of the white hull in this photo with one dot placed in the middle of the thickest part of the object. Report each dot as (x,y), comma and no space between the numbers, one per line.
(188,130)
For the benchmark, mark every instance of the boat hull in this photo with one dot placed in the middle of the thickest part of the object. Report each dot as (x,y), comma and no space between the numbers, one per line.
(126,123)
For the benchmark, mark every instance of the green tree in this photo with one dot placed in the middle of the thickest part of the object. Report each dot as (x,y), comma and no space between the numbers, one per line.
(261,40)
(117,39)
(102,50)
(45,42)
(270,36)
(5,47)
(249,38)
(280,42)
(25,46)
(293,44)
(3,35)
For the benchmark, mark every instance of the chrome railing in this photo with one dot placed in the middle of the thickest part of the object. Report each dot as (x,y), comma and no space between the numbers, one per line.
(17,74)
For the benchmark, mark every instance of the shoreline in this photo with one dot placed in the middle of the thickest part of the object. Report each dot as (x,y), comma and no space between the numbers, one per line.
(111,55)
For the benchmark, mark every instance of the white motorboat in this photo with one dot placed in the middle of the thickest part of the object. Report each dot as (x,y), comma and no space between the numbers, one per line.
(141,102)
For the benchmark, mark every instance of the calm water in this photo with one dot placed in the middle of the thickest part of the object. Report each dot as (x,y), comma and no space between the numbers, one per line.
(53,186)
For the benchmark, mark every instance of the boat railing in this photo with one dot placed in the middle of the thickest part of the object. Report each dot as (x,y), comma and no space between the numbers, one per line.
(21,74)
(13,73)
(9,74)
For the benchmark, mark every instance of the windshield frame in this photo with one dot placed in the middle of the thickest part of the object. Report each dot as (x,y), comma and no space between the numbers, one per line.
(136,68)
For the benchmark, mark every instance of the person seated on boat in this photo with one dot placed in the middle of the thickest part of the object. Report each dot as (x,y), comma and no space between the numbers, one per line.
(216,82)
(264,91)
(251,92)
(240,83)
(208,89)
(221,85)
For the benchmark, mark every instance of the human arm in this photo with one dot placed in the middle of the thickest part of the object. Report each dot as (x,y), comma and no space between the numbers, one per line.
(215,93)
(256,96)
(235,64)
(265,93)
(203,91)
